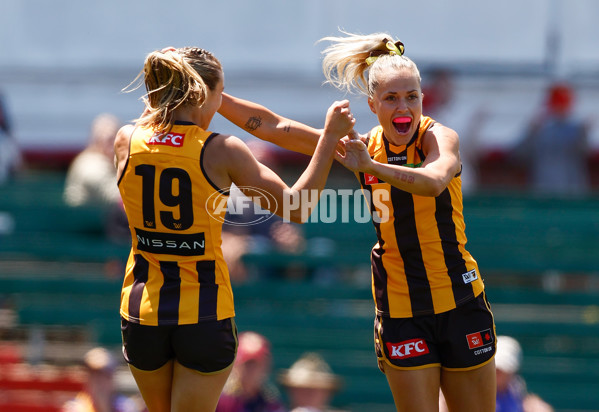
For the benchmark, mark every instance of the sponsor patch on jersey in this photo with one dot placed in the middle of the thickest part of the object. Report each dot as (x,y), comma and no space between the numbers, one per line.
(479,339)
(192,244)
(167,139)
(407,349)
(370,179)
(469,276)
(397,159)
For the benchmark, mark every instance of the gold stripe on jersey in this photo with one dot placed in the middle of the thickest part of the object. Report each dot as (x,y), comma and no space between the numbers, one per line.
(176,273)
(420,264)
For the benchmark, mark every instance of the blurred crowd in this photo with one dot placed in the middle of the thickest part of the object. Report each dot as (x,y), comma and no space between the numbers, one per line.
(553,149)
(91,178)
(307,385)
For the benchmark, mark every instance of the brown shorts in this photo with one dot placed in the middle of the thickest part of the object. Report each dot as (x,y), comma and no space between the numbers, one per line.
(206,347)
(460,339)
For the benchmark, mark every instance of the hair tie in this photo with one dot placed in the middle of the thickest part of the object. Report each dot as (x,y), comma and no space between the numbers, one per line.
(396,48)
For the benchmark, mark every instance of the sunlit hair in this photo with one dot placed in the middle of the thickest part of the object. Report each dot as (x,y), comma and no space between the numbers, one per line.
(345,67)
(174,78)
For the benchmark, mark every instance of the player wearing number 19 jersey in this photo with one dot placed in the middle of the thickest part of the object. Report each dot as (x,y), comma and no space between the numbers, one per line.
(175,274)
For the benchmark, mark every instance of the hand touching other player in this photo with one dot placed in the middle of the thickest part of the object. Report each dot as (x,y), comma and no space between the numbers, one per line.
(355,154)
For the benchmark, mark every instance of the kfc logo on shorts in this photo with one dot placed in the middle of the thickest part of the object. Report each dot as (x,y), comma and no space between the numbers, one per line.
(478,339)
(407,349)
(168,139)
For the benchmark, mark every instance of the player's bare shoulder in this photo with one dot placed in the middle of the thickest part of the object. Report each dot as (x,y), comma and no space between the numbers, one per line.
(124,132)
(224,151)
(442,135)
(224,146)
(121,145)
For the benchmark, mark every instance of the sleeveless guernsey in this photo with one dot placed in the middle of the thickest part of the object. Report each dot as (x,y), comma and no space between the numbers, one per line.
(420,264)
(176,273)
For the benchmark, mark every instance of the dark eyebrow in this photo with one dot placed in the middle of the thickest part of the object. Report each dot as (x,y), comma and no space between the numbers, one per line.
(408,92)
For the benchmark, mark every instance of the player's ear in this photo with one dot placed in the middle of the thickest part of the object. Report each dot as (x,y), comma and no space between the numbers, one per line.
(371,105)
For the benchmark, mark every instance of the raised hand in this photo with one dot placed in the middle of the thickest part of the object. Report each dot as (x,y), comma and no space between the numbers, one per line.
(339,120)
(355,154)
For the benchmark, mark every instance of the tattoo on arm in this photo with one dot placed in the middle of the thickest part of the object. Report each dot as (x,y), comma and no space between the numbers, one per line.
(287,127)
(253,123)
(404,177)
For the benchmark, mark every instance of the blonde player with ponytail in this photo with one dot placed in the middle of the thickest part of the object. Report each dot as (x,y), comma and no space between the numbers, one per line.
(179,334)
(434,329)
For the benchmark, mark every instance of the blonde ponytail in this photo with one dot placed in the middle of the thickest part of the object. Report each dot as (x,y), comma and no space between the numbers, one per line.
(175,78)
(352,63)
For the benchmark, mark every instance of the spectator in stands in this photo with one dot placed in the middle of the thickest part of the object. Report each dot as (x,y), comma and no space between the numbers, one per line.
(423,277)
(555,146)
(512,395)
(91,179)
(438,92)
(310,384)
(5,123)
(510,387)
(248,389)
(439,102)
(11,160)
(99,393)
(178,327)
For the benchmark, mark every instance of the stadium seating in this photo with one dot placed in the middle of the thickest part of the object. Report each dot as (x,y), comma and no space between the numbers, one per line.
(538,258)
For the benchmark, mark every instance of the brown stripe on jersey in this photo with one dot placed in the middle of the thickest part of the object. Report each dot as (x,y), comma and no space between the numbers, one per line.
(456,265)
(408,244)
(170,293)
(208,289)
(379,273)
(140,277)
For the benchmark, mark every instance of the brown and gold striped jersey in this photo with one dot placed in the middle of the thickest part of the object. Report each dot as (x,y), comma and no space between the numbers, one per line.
(175,273)
(420,264)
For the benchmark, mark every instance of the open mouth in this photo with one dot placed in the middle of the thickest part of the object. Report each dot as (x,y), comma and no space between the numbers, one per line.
(402,124)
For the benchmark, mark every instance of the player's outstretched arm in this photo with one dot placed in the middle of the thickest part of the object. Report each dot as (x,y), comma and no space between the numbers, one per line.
(267,125)
(245,171)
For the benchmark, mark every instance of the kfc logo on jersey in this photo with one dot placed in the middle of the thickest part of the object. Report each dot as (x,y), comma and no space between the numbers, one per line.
(478,339)
(168,139)
(407,349)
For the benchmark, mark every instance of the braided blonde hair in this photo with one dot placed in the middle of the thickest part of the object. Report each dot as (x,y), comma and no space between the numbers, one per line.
(175,78)
(345,63)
